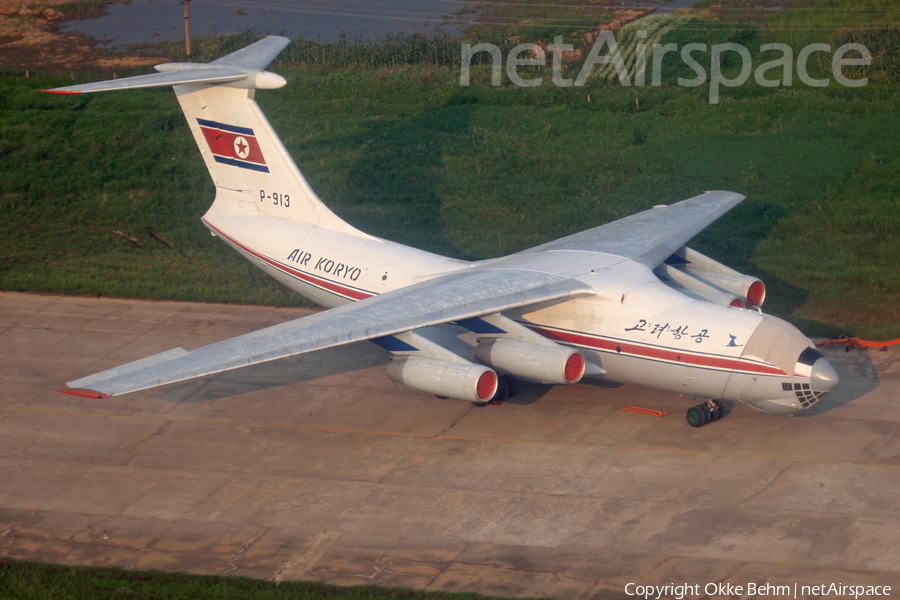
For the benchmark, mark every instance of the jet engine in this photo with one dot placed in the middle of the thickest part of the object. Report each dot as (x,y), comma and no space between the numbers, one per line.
(548,364)
(464,381)
(696,288)
(690,270)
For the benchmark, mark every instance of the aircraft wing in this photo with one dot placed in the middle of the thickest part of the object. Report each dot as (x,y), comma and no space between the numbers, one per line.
(471,292)
(651,236)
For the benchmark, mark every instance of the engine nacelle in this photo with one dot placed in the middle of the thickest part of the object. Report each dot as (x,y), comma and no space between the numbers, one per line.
(691,286)
(714,273)
(548,364)
(464,381)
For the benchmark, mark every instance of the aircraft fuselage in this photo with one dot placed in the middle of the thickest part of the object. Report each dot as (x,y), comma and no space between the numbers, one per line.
(636,329)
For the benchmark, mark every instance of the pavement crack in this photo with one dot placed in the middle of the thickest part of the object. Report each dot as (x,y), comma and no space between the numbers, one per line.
(241,551)
(303,561)
(447,565)
(132,447)
(765,486)
(456,421)
(888,441)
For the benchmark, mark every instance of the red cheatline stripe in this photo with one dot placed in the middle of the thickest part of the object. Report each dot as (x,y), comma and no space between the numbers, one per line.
(84,392)
(730,364)
(321,283)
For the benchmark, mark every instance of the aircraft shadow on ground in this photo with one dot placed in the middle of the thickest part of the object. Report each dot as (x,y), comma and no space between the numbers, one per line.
(859,376)
(319,364)
(528,393)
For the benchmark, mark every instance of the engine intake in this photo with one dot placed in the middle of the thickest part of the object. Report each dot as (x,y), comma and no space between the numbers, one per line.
(548,364)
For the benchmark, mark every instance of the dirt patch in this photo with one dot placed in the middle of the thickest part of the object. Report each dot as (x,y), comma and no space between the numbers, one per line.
(30,37)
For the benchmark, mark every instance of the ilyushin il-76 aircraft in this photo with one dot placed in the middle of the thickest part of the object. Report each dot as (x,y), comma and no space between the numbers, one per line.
(625,302)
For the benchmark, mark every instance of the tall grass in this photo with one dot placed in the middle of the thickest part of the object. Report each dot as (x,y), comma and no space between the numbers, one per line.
(387,51)
(21,580)
(402,151)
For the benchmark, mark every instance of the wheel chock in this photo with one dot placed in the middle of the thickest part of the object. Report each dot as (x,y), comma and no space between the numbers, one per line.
(644,411)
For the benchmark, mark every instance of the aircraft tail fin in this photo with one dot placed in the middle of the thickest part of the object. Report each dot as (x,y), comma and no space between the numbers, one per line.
(252,171)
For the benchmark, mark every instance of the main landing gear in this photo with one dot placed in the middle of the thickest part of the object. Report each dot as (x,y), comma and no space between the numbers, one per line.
(707,412)
(506,388)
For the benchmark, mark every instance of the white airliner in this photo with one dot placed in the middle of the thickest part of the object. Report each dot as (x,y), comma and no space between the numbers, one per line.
(626,302)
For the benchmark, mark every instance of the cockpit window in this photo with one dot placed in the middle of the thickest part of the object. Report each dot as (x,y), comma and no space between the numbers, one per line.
(778,343)
(809,357)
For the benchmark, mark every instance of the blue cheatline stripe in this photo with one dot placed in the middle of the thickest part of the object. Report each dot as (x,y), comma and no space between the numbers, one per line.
(240,163)
(476,325)
(224,127)
(392,344)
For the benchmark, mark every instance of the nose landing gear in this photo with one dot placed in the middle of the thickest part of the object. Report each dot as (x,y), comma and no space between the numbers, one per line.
(707,412)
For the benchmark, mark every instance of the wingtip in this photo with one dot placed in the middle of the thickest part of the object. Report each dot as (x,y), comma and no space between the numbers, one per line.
(84,393)
(63,92)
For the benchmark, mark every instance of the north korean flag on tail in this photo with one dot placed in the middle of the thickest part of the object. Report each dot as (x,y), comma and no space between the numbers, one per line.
(232,145)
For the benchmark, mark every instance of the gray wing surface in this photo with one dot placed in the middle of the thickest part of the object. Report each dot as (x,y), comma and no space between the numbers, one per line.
(651,236)
(257,55)
(455,296)
(200,74)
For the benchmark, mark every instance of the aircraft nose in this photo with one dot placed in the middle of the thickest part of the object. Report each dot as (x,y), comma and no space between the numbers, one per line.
(823,377)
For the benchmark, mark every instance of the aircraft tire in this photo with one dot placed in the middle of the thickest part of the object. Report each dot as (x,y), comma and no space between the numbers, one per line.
(707,414)
(511,385)
(503,391)
(719,410)
(695,416)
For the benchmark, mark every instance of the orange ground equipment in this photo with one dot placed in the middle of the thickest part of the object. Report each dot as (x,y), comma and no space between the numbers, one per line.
(644,411)
(852,342)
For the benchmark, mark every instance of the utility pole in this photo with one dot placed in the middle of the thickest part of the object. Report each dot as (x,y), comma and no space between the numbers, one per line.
(187,30)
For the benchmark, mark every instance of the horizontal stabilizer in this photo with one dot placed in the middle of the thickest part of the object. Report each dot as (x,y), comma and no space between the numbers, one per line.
(199,74)
(243,68)
(255,56)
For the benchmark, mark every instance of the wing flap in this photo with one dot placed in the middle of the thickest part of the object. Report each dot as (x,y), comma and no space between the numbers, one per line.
(455,296)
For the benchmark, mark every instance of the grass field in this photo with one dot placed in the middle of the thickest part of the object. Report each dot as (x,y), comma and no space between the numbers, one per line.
(102,194)
(20,580)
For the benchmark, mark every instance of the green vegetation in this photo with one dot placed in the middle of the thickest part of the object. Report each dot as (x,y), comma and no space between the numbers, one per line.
(392,142)
(20,580)
(532,20)
(82,9)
